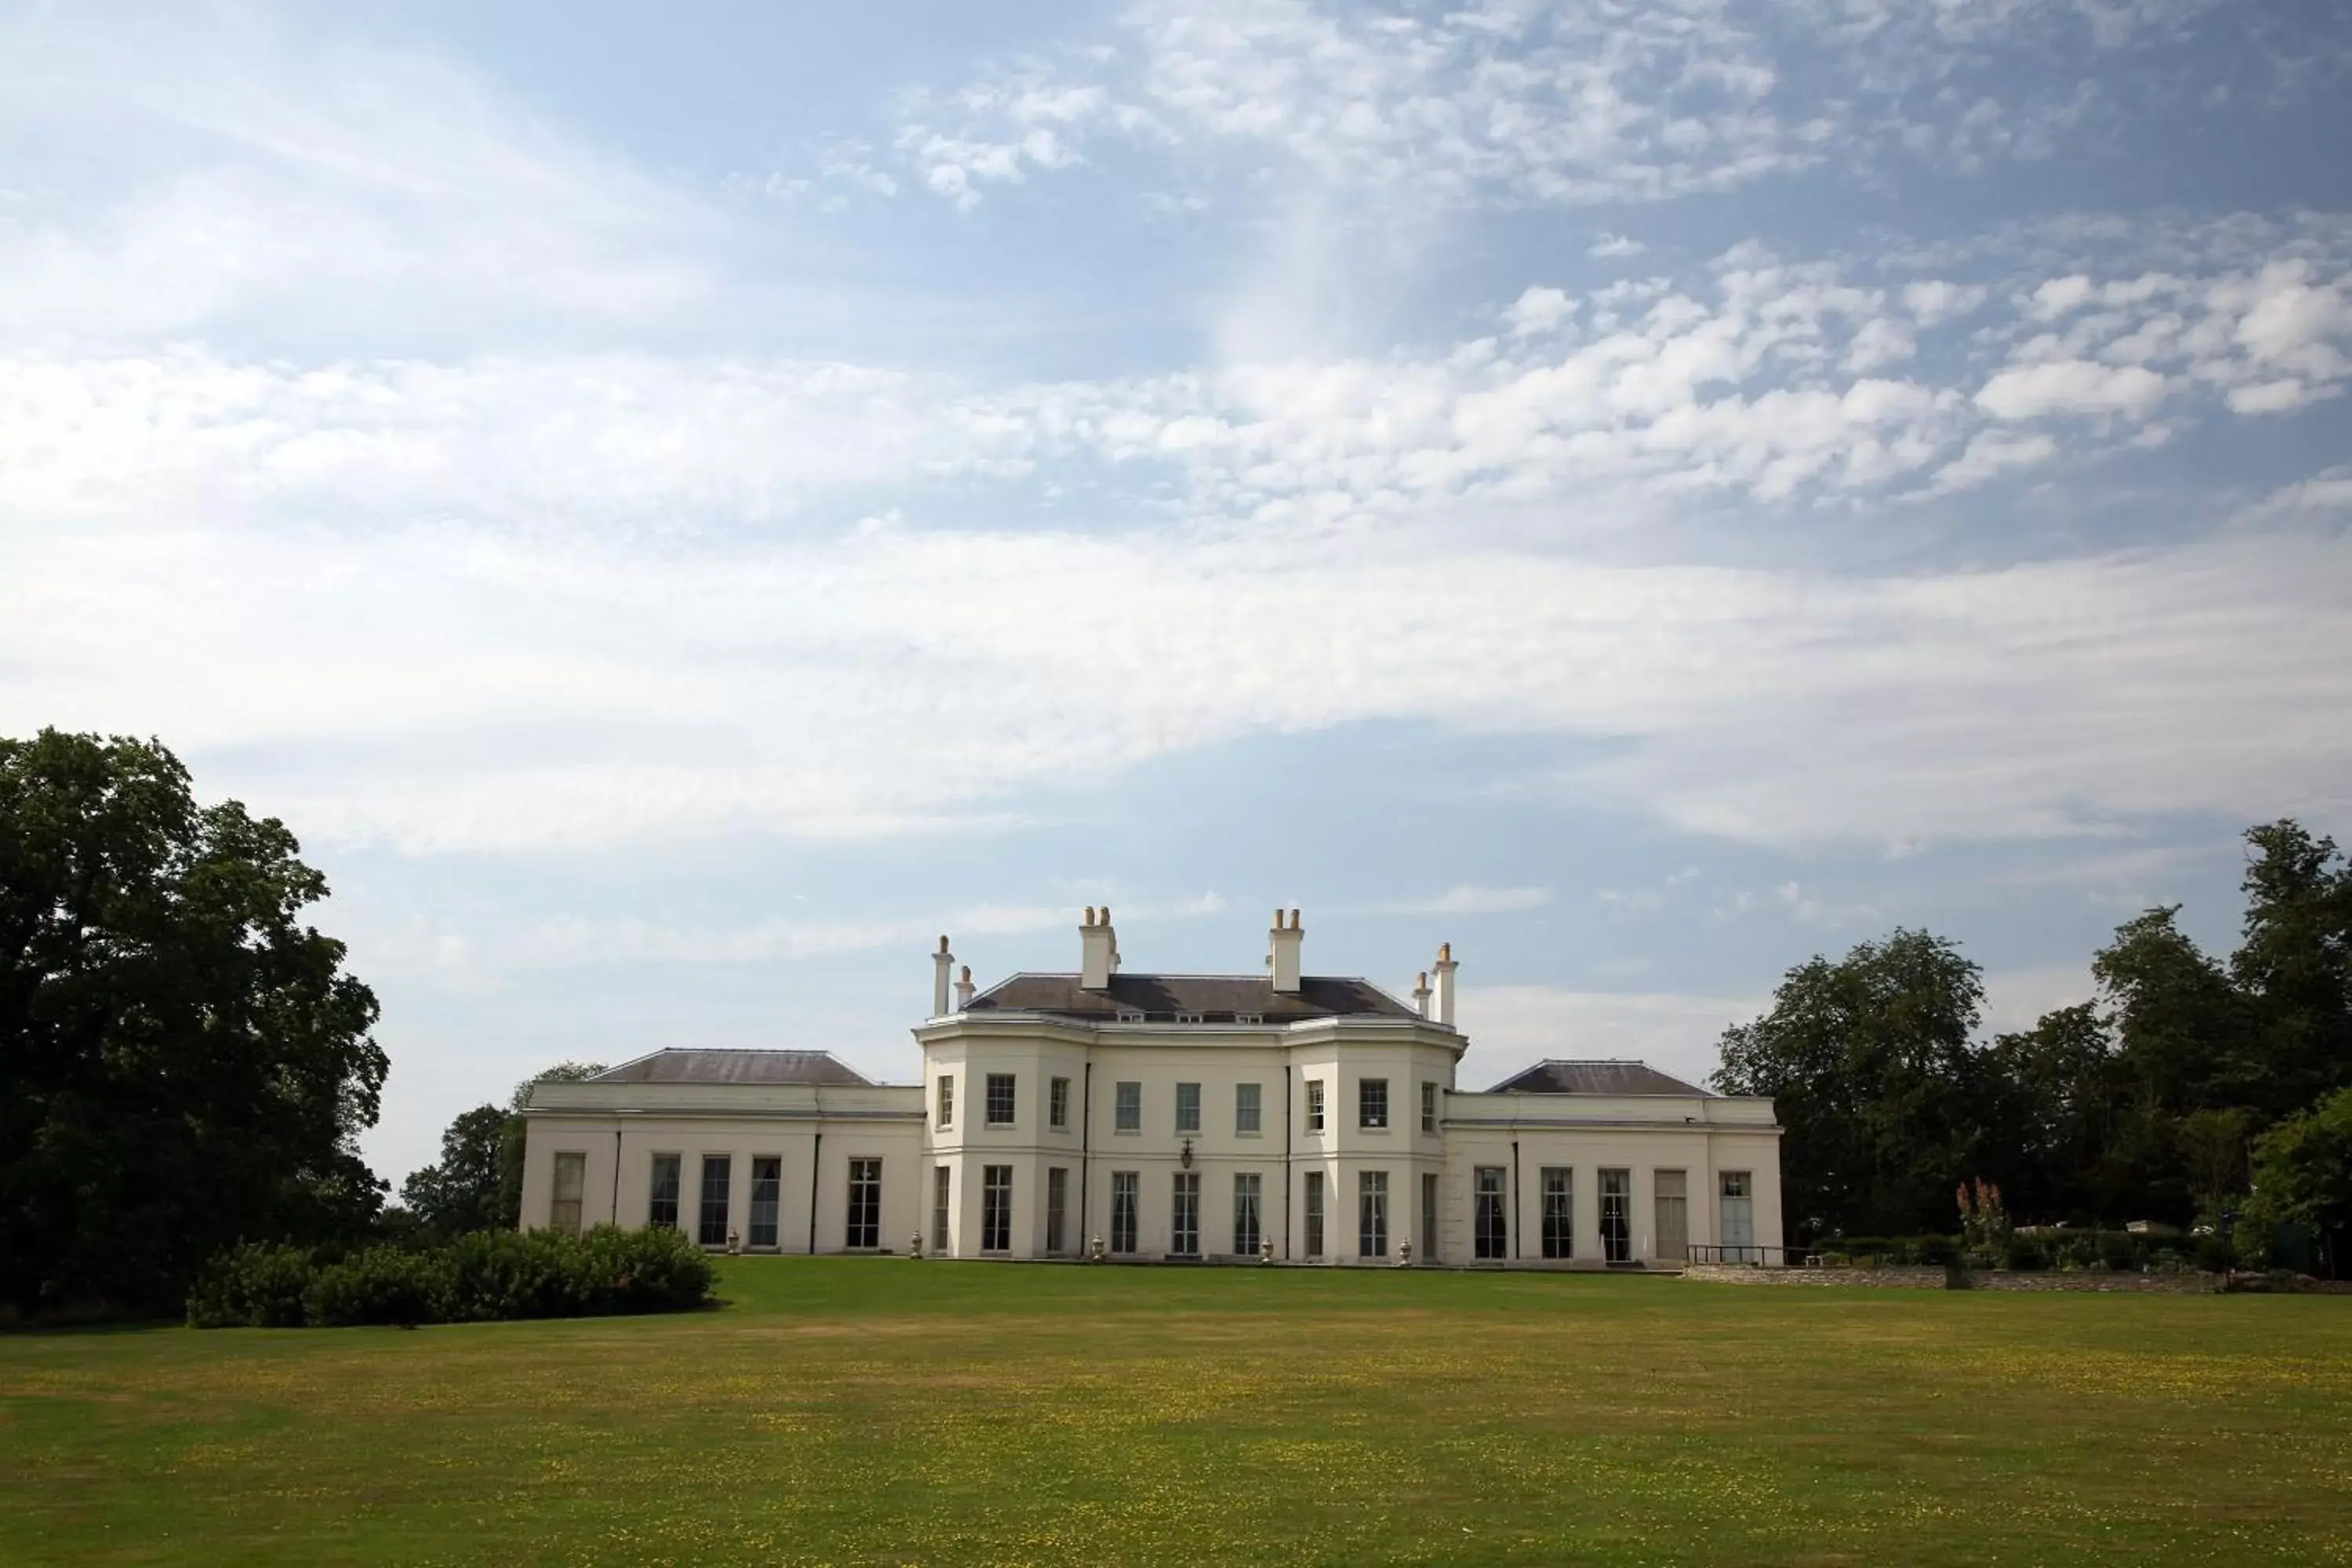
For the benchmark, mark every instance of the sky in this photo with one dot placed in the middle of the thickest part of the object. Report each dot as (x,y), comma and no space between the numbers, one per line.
(677,508)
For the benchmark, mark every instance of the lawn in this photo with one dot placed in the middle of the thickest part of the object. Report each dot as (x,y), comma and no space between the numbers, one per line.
(889,1411)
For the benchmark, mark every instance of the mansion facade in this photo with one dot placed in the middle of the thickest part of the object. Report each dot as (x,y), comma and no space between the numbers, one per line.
(1275,1117)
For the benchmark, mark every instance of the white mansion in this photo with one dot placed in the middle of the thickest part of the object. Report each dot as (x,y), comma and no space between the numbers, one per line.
(1299,1118)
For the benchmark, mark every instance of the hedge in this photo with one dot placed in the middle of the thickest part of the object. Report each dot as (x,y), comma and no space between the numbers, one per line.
(482,1276)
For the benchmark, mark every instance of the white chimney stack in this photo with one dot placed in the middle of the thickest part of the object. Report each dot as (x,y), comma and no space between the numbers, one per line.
(1445,971)
(1285,954)
(1098,950)
(964,988)
(941,962)
(1421,994)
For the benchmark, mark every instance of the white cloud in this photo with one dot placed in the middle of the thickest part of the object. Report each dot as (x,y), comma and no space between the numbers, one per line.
(1470,899)
(2071,387)
(1990,454)
(1610,246)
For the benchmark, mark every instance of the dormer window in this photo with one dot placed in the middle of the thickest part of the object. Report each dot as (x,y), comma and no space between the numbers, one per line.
(1249,1017)
(1129,1016)
(1183,1017)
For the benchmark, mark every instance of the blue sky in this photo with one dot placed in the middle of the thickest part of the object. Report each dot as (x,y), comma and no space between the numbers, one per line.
(679,509)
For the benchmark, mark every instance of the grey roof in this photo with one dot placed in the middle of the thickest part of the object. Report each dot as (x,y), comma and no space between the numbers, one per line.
(1595,1077)
(822,1069)
(1217,997)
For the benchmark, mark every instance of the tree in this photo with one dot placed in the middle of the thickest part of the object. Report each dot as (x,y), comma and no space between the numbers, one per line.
(1870,1067)
(2296,963)
(2302,1167)
(2049,1111)
(462,1192)
(182,1063)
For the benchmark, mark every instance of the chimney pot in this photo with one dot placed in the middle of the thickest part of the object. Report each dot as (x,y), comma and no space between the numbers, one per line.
(1445,967)
(1097,951)
(1286,938)
(940,963)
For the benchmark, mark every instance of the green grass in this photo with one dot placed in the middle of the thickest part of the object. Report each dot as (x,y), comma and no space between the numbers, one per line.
(887,1411)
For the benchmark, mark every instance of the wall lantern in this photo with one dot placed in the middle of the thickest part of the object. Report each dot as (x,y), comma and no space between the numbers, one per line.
(1186,1158)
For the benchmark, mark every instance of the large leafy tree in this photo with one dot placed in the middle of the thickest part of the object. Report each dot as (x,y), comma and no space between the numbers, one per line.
(2302,1167)
(460,1192)
(1870,1065)
(182,1061)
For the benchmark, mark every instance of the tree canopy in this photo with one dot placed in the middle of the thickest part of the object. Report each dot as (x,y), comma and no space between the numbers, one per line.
(2146,1102)
(182,1061)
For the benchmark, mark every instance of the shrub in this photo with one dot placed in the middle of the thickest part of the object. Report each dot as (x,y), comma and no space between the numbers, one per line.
(381,1285)
(256,1285)
(479,1277)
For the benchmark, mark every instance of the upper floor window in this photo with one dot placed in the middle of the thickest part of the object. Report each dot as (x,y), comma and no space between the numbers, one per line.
(1128,1112)
(1249,1017)
(1188,1108)
(1182,1018)
(1314,1105)
(946,1099)
(1058,1104)
(1429,1108)
(1249,1102)
(1129,1015)
(1000,1099)
(1372,1103)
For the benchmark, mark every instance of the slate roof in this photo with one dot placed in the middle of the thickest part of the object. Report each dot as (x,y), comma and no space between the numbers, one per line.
(821,1068)
(1217,997)
(1596,1077)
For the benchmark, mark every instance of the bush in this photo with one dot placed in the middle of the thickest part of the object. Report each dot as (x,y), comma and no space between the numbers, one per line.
(480,1277)
(257,1285)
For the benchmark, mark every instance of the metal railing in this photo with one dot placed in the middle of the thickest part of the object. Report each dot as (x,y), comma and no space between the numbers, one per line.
(1750,1254)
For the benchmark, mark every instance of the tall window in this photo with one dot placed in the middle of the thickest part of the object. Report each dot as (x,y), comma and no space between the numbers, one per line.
(1123,1186)
(1058,1211)
(1058,1102)
(1372,1213)
(1184,1215)
(661,1207)
(1314,1214)
(996,1208)
(1738,1219)
(1314,1105)
(1372,1103)
(767,1188)
(718,1170)
(1249,1107)
(1429,1108)
(1617,1216)
(571,1180)
(946,1099)
(1670,1191)
(1490,1228)
(1188,1108)
(942,1187)
(1247,1187)
(1127,1116)
(1000,1099)
(865,1227)
(1428,1216)
(1559,1211)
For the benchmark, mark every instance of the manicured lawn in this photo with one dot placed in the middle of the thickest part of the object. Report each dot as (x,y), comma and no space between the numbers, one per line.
(886,1411)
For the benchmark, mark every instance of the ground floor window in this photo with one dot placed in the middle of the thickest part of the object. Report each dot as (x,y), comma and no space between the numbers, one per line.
(1372,1213)
(1670,1191)
(1428,1216)
(571,1180)
(718,1171)
(1559,1211)
(1489,1221)
(865,1227)
(767,1190)
(662,1207)
(1123,1187)
(1314,1213)
(1184,1215)
(1617,1216)
(942,1185)
(1058,1207)
(1246,1187)
(996,1208)
(1739,1218)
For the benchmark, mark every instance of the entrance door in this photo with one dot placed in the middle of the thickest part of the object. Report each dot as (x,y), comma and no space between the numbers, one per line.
(1738,1219)
(1674,1214)
(1617,1216)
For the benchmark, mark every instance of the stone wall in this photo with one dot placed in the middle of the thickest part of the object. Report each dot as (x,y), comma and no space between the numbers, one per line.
(1938,1280)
